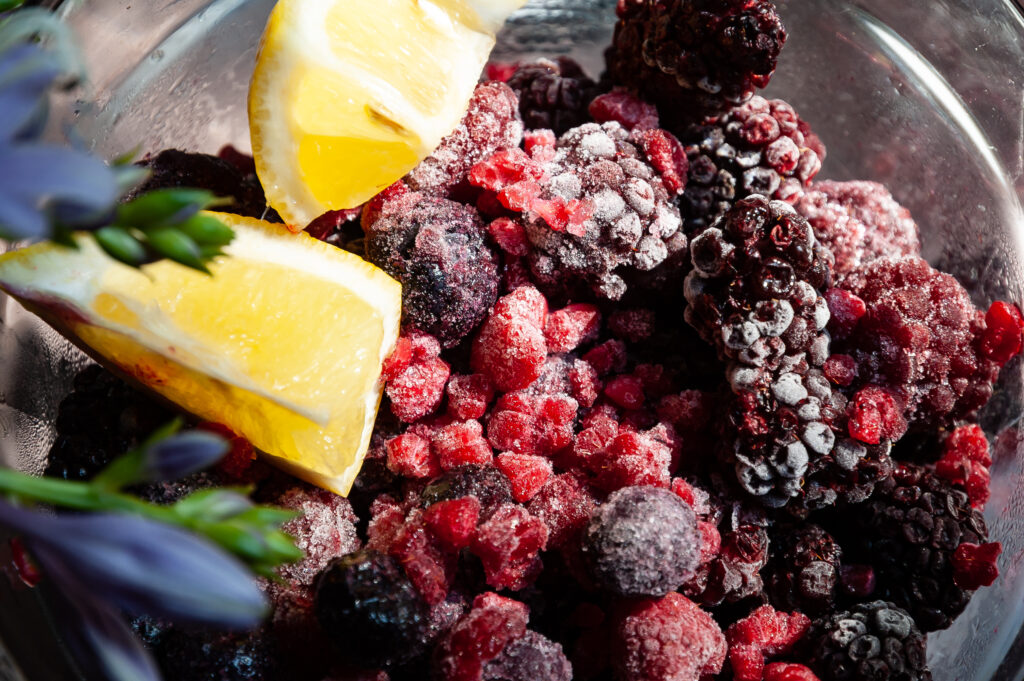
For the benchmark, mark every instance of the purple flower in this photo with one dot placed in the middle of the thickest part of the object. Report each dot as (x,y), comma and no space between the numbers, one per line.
(141,566)
(181,455)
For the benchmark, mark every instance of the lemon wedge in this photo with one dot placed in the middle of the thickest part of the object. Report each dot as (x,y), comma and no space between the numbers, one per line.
(349,95)
(283,344)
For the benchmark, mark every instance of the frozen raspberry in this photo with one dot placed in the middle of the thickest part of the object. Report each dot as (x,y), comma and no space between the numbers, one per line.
(919,338)
(437,250)
(846,310)
(765,633)
(526,473)
(430,568)
(642,541)
(734,574)
(570,326)
(762,147)
(491,123)
(667,639)
(974,566)
(453,522)
(417,389)
(461,444)
(859,222)
(755,293)
(510,236)
(620,457)
(695,56)
(409,455)
(600,208)
(564,504)
(785,671)
(626,109)
(508,544)
(324,530)
(553,94)
(1002,338)
(875,415)
(531,657)
(370,610)
(875,640)
(532,424)
(608,357)
(909,532)
(486,484)
(965,462)
(469,395)
(479,637)
(803,571)
(626,391)
(510,348)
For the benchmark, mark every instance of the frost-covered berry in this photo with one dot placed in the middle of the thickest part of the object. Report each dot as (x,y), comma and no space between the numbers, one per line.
(531,657)
(437,249)
(370,610)
(479,637)
(642,541)
(553,93)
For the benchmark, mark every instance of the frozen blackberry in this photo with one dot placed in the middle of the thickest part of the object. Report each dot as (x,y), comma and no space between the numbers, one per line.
(859,222)
(876,640)
(761,147)
(100,419)
(491,123)
(173,168)
(370,610)
(642,541)
(918,336)
(695,56)
(803,571)
(908,532)
(486,483)
(531,657)
(755,293)
(436,249)
(598,205)
(553,94)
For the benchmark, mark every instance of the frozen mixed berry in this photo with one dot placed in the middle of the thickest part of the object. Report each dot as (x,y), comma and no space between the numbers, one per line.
(755,293)
(426,560)
(564,504)
(487,484)
(508,544)
(762,147)
(437,249)
(370,610)
(786,671)
(172,168)
(491,123)
(185,654)
(479,637)
(598,205)
(734,574)
(642,541)
(416,376)
(974,565)
(762,635)
(965,462)
(553,93)
(803,571)
(324,529)
(922,339)
(510,348)
(667,638)
(624,107)
(859,222)
(695,56)
(99,420)
(908,532)
(531,657)
(876,640)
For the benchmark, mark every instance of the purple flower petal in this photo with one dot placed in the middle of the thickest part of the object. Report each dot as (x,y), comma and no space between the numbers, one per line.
(144,567)
(52,175)
(27,72)
(181,455)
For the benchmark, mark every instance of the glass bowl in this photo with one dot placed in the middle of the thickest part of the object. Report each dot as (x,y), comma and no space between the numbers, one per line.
(922,96)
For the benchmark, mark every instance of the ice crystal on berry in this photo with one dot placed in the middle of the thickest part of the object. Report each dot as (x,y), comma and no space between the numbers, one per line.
(553,93)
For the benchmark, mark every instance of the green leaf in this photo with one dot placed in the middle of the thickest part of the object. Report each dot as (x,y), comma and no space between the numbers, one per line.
(179,247)
(268,517)
(214,505)
(207,230)
(121,245)
(163,207)
(7,5)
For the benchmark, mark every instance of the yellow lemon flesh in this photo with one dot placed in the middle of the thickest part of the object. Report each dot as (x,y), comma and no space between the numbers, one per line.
(283,344)
(349,95)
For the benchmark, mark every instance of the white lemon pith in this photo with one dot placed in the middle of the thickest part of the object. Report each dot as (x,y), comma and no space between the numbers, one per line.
(349,95)
(283,344)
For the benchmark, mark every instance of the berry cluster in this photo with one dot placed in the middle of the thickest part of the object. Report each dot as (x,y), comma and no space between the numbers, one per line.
(661,408)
